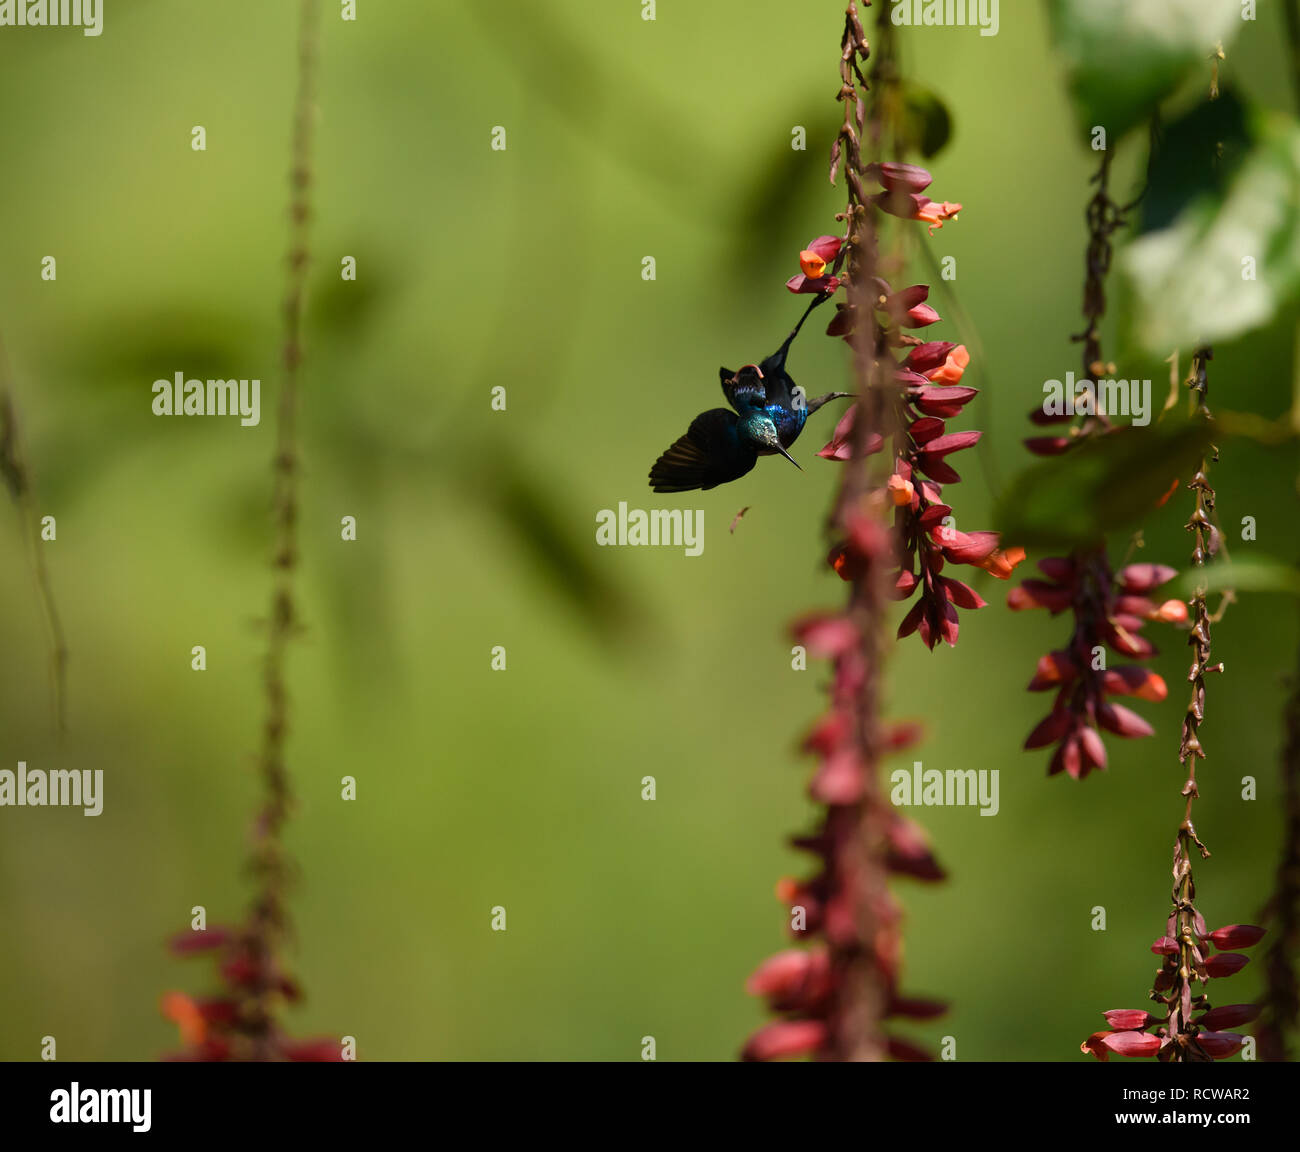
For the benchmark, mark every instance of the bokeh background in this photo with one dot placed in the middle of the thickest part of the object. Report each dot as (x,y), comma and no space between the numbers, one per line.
(477,268)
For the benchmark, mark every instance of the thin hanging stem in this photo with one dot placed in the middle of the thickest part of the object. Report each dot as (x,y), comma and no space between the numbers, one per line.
(269,861)
(16,474)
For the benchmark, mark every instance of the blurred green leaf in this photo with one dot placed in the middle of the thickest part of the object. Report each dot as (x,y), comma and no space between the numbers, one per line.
(155,341)
(1196,155)
(777,197)
(1124,56)
(1109,482)
(1248,574)
(533,520)
(339,308)
(574,81)
(927,123)
(1190,279)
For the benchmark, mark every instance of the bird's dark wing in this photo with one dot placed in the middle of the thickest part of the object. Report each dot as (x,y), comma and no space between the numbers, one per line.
(711,453)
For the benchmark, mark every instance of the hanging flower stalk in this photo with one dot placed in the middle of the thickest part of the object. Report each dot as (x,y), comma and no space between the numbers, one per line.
(242,1021)
(835,997)
(1281,1013)
(1186,1026)
(1109,608)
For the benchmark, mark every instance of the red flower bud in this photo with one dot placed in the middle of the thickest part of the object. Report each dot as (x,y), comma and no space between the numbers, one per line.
(829,733)
(827,636)
(1058,568)
(1144,577)
(1049,730)
(906,1052)
(1133,1043)
(1050,445)
(1033,593)
(1128,1019)
(318,1051)
(1236,936)
(784,1038)
(1122,721)
(893,175)
(841,444)
(1091,747)
(909,854)
(840,779)
(1229,1016)
(184,943)
(928,357)
(962,547)
(1170,612)
(1133,680)
(790,974)
(938,401)
(916,1009)
(1220,1044)
(962,594)
(1054,668)
(1226,963)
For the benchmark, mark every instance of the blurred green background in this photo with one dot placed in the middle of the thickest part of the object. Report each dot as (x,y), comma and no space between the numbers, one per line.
(477,268)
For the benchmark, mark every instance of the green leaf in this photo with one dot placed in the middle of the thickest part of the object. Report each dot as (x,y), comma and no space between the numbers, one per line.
(1125,56)
(1190,278)
(1196,155)
(1111,481)
(927,123)
(1248,574)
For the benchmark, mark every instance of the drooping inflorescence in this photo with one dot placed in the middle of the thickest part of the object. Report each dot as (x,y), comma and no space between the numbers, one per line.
(1108,608)
(1188,1027)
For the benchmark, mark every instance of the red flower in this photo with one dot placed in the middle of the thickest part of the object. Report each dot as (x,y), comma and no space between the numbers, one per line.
(1109,611)
(841,442)
(813,260)
(903,184)
(920,514)
(906,308)
(234,1025)
(810,986)
(818,254)
(1094,1045)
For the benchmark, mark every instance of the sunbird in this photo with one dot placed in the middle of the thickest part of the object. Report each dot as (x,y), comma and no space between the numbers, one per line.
(721,445)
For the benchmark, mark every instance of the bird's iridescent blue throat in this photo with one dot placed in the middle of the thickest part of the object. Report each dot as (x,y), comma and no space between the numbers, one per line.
(768,411)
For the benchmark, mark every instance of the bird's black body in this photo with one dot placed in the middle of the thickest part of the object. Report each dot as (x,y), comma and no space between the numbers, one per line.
(721,445)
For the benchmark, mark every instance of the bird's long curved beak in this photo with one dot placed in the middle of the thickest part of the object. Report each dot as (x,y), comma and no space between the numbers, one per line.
(789,457)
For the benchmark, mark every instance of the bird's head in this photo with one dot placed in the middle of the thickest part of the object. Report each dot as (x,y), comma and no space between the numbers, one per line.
(757,427)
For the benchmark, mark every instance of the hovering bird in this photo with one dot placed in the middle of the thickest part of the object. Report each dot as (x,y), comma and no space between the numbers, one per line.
(722,445)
